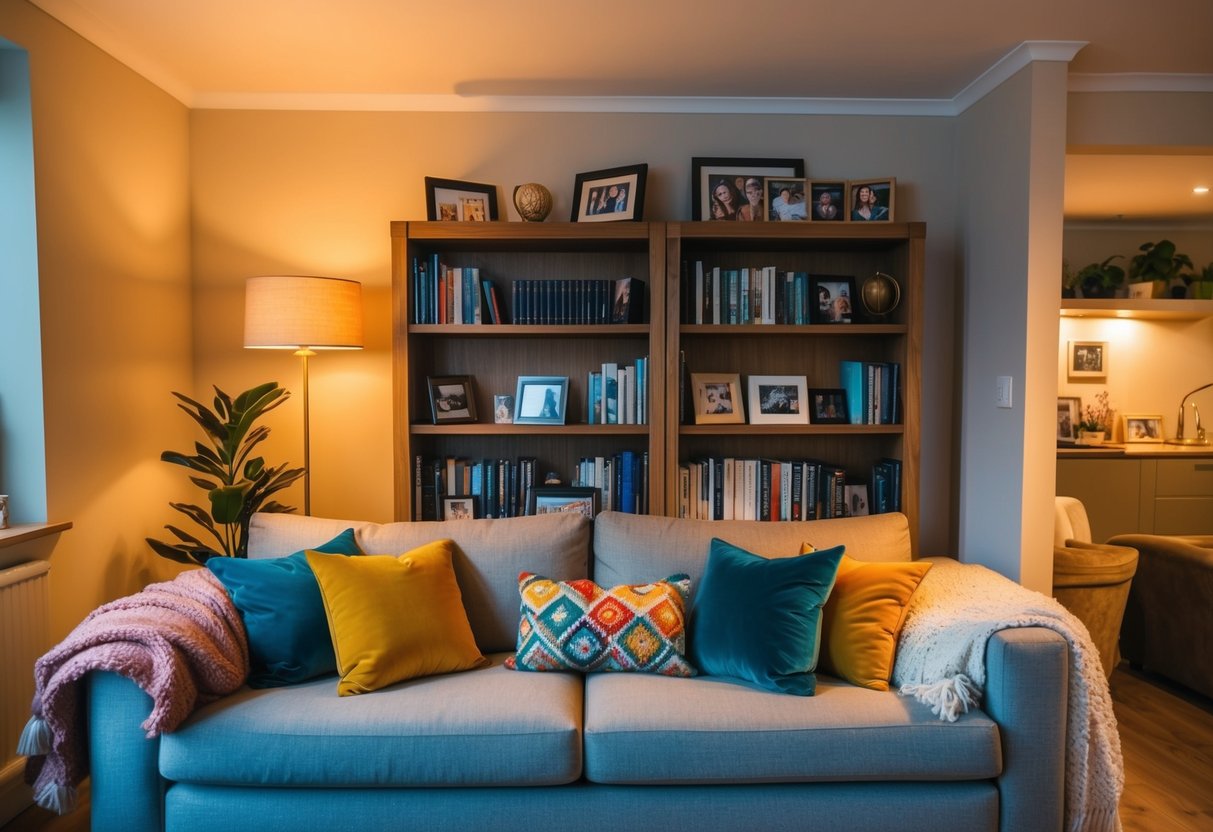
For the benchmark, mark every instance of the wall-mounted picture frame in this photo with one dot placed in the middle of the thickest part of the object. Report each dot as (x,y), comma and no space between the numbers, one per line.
(709,172)
(828,406)
(610,195)
(833,298)
(1142,428)
(452,399)
(503,409)
(871,200)
(785,199)
(1087,360)
(459,507)
(1069,413)
(778,400)
(717,398)
(451,200)
(541,400)
(562,499)
(827,200)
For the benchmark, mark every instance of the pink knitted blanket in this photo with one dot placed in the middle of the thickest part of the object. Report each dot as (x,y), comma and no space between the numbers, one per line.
(181,641)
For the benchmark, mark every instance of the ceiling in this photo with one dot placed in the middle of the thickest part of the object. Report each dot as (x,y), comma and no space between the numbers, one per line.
(888,54)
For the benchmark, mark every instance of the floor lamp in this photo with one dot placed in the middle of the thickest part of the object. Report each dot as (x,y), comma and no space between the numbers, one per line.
(304,314)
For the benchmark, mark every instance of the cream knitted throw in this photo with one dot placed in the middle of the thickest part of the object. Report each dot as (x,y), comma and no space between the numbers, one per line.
(941,662)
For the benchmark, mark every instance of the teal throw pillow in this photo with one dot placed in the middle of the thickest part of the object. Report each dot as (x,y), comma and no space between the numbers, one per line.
(279,600)
(759,619)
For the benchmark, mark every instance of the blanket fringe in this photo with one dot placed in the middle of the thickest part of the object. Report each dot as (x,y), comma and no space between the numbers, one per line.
(1097,819)
(948,698)
(35,738)
(56,798)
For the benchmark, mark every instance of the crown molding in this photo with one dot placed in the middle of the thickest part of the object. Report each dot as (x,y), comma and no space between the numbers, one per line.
(1140,82)
(1013,62)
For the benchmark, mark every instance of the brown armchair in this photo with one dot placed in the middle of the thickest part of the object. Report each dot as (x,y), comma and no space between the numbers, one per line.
(1091,580)
(1168,625)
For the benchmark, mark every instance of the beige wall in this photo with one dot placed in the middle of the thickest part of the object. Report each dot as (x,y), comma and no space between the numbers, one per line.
(111,182)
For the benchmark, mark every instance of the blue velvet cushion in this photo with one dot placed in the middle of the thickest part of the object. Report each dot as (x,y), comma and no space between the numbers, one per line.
(279,600)
(759,619)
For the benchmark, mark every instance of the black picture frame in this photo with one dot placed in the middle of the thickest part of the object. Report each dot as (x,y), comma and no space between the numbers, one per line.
(554,499)
(828,406)
(704,168)
(611,195)
(452,399)
(445,201)
(836,208)
(460,507)
(832,299)
(541,400)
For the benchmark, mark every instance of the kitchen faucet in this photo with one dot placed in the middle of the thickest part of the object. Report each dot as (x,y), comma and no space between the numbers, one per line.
(1180,439)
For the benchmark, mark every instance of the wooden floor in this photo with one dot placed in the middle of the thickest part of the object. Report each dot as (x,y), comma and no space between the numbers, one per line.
(1166,733)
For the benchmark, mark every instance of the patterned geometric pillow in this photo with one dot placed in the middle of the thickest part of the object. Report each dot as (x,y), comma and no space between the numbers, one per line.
(578,625)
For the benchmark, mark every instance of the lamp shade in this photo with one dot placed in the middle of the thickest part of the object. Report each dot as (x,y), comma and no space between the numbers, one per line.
(302,312)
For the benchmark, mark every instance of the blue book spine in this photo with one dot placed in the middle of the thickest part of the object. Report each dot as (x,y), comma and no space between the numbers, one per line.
(851,379)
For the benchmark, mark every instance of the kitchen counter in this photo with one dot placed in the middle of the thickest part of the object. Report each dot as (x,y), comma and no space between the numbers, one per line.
(1135,450)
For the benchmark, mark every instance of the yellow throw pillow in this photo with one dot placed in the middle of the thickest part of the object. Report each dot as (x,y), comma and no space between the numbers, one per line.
(394,618)
(862,619)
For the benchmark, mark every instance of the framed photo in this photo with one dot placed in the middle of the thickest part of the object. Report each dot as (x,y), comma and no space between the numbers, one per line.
(778,400)
(554,499)
(503,409)
(541,400)
(628,304)
(717,398)
(827,200)
(1069,412)
(452,399)
(785,199)
(828,406)
(1143,428)
(1088,359)
(710,173)
(832,298)
(459,507)
(871,200)
(454,201)
(610,195)
(857,500)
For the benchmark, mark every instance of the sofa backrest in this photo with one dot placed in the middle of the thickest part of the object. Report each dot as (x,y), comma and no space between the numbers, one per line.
(491,554)
(631,548)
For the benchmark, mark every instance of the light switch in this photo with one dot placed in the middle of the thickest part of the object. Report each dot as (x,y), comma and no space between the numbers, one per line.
(1002,397)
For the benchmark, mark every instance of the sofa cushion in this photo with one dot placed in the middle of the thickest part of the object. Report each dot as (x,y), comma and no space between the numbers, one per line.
(393,619)
(485,727)
(716,730)
(489,556)
(759,619)
(631,548)
(578,625)
(283,614)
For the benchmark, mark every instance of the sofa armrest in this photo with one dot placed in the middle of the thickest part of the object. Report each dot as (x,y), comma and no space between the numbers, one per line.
(127,793)
(1027,674)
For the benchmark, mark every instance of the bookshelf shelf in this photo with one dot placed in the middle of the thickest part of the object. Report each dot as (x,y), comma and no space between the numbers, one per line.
(803,330)
(791,430)
(528,331)
(482,429)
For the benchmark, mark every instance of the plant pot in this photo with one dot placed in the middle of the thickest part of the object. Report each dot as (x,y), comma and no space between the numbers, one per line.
(1093,287)
(1091,437)
(1202,289)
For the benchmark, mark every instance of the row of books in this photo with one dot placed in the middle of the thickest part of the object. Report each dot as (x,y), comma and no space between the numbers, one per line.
(618,394)
(494,487)
(760,295)
(444,294)
(873,391)
(622,480)
(728,488)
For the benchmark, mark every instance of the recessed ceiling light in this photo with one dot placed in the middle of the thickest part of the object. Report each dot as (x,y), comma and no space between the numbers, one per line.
(1201,190)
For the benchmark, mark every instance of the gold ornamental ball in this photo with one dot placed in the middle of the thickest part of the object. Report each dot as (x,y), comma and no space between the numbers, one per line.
(880,294)
(533,201)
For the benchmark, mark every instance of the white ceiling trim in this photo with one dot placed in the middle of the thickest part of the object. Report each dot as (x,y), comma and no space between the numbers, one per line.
(1140,82)
(1012,62)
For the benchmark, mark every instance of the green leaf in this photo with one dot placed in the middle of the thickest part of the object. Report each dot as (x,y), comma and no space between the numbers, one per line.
(227,502)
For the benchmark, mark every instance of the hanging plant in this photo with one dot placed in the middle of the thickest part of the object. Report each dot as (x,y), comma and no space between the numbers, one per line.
(237,484)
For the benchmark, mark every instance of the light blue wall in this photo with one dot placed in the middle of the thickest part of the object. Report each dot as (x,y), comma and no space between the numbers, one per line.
(22,437)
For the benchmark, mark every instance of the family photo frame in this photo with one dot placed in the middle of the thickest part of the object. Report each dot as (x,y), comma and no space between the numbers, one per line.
(828,406)
(452,399)
(1069,414)
(778,400)
(459,507)
(871,200)
(719,184)
(1142,428)
(785,199)
(541,400)
(717,398)
(450,200)
(610,195)
(827,200)
(563,499)
(833,299)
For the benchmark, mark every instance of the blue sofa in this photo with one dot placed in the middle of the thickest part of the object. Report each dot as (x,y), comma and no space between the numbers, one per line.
(499,750)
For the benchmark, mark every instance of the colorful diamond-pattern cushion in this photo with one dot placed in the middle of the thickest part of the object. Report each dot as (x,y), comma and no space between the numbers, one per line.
(578,625)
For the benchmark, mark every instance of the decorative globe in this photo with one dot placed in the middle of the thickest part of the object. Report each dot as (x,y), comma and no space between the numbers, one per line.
(533,201)
(880,294)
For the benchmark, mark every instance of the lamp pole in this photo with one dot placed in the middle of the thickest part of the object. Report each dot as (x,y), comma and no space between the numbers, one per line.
(305,353)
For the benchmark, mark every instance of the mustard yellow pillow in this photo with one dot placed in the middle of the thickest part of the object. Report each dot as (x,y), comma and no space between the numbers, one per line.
(862,619)
(394,618)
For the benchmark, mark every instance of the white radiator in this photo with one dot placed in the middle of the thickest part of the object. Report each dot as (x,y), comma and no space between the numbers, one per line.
(24,636)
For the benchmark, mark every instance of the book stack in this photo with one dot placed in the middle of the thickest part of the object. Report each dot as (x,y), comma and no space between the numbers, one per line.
(618,395)
(758,295)
(873,391)
(622,480)
(497,487)
(885,486)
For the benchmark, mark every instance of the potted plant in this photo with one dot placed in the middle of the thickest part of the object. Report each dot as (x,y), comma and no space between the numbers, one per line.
(1160,265)
(1097,280)
(1201,284)
(236,483)
(1095,424)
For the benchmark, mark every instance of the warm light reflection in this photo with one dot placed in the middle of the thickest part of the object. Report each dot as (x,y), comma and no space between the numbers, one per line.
(1201,190)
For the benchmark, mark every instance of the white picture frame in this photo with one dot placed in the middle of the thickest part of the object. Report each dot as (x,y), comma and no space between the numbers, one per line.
(778,400)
